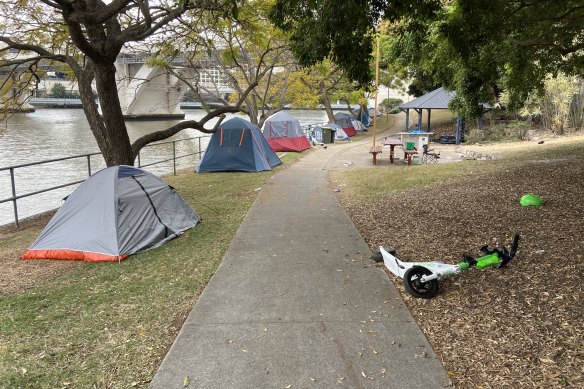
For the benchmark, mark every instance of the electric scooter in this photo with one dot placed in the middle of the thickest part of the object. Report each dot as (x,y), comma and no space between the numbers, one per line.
(421,278)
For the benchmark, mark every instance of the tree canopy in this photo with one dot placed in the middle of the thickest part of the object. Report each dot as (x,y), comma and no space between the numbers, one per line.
(474,47)
(322,83)
(339,30)
(88,36)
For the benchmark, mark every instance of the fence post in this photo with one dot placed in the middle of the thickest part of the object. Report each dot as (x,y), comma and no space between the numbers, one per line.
(139,164)
(14,203)
(88,165)
(174,156)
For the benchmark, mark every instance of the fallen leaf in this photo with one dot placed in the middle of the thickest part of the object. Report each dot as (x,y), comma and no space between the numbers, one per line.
(186,381)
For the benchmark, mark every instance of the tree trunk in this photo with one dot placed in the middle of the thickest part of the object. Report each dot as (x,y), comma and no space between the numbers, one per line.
(328,108)
(110,130)
(252,110)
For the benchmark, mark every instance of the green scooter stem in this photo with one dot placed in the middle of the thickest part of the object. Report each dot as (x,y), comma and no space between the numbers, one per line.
(463,266)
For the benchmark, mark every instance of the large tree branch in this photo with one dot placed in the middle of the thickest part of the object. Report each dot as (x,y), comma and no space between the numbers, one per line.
(28,47)
(564,50)
(196,124)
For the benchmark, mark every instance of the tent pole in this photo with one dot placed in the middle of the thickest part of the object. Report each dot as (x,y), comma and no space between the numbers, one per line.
(376,90)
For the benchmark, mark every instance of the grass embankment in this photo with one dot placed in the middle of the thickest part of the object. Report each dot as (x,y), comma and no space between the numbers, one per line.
(520,326)
(371,184)
(108,325)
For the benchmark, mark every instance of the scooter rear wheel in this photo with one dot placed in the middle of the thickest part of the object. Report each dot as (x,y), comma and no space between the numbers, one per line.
(417,288)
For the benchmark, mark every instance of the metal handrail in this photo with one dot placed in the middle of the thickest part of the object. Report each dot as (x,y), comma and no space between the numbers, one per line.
(15,196)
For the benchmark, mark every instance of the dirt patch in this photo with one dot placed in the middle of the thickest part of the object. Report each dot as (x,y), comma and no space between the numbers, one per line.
(520,326)
(17,275)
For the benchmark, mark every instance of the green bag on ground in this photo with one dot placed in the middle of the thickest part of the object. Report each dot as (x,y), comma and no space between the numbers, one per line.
(531,199)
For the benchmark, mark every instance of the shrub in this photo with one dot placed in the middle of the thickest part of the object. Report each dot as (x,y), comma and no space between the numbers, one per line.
(391,105)
(508,130)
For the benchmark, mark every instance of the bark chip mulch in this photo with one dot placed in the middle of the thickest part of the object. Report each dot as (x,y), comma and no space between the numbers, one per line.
(520,326)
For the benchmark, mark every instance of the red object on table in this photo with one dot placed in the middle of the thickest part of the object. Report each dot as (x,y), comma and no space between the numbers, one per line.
(392,143)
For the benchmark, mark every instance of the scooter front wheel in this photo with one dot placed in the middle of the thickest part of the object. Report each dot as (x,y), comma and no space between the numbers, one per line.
(417,288)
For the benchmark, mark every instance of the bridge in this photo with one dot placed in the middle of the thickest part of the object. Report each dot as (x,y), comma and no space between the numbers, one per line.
(145,92)
(15,92)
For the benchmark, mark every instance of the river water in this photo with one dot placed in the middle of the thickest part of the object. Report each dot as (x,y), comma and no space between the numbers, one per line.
(56,133)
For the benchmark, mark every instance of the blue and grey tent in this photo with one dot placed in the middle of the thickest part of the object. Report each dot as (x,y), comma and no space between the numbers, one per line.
(238,145)
(363,116)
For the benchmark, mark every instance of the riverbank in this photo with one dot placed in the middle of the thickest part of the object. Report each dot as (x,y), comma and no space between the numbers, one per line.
(49,134)
(111,325)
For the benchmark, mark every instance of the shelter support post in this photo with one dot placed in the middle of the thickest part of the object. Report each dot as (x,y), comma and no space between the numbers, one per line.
(420,114)
(429,112)
(407,119)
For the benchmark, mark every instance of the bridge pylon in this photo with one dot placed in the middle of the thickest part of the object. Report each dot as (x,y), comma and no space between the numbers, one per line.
(148,93)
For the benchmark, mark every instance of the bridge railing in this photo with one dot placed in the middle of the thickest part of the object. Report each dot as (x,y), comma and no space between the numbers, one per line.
(92,162)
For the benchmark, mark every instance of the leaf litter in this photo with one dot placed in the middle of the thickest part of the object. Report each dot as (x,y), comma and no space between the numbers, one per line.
(520,326)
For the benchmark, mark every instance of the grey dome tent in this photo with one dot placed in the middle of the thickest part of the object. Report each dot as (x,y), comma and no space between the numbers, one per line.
(118,211)
(344,120)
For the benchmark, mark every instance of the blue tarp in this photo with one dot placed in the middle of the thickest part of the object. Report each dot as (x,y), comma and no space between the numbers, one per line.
(238,145)
(363,118)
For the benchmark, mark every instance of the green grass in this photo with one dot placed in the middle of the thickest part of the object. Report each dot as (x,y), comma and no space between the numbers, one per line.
(375,183)
(438,117)
(364,182)
(108,325)
(384,122)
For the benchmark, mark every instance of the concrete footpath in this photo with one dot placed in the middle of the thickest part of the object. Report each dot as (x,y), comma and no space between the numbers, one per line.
(297,303)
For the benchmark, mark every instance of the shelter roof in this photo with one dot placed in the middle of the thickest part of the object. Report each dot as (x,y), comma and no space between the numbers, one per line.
(437,99)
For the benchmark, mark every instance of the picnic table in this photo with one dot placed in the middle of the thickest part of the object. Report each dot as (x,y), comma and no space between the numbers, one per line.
(408,154)
(391,143)
(374,150)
